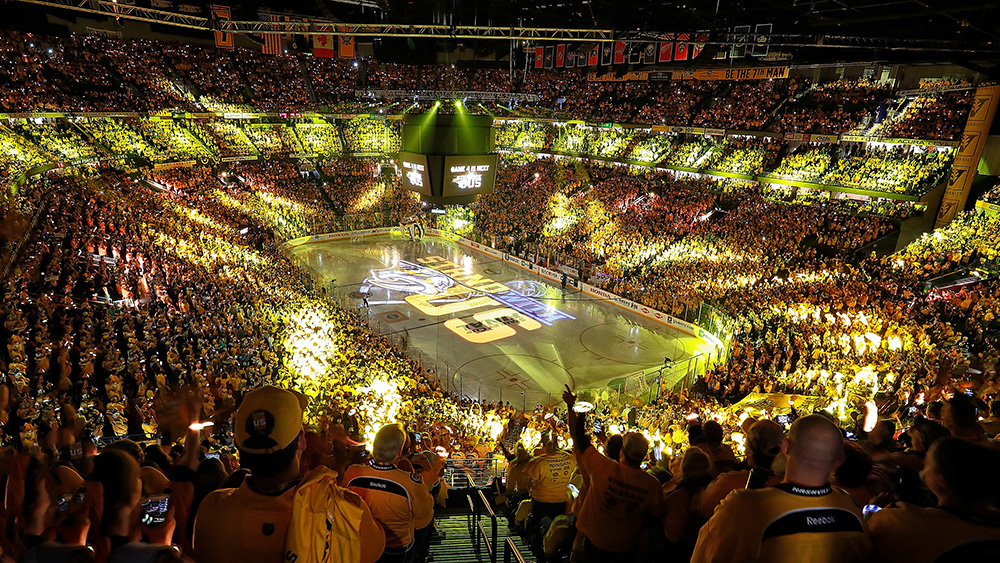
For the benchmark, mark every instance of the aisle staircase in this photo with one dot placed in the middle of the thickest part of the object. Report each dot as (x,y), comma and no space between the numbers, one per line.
(476,534)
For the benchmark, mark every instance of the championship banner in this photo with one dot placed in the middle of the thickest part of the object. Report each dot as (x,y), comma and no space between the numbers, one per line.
(755,73)
(323,44)
(223,40)
(561,55)
(594,56)
(346,45)
(666,53)
(963,170)
(681,47)
(272,41)
(549,56)
(619,52)
(539,56)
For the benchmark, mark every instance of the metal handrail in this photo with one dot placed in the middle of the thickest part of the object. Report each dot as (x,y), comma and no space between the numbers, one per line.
(471,519)
(490,545)
(512,554)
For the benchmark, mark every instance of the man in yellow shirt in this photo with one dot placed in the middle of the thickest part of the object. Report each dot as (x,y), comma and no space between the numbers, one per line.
(252,523)
(802,518)
(549,474)
(399,500)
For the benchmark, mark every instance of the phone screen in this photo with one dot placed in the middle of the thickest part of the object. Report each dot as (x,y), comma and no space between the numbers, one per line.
(154,510)
(212,455)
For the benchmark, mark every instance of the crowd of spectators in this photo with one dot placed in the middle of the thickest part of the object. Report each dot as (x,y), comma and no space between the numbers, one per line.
(743,155)
(933,116)
(900,169)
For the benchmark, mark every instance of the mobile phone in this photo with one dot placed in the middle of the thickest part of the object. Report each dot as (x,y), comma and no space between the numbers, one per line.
(782,419)
(212,455)
(657,453)
(154,510)
(870,509)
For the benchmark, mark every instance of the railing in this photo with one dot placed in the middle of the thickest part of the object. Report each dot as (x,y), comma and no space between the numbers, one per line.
(476,472)
(481,537)
(511,554)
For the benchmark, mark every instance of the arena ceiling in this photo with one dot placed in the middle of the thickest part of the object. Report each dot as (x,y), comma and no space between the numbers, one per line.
(960,31)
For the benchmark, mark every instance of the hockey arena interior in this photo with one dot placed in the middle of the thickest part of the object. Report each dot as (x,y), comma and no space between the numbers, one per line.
(567,282)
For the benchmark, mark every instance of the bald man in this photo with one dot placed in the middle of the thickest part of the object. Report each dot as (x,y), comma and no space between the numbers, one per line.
(802,518)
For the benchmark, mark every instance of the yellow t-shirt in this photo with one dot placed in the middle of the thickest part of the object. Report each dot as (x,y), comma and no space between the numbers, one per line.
(240,525)
(784,523)
(549,474)
(617,502)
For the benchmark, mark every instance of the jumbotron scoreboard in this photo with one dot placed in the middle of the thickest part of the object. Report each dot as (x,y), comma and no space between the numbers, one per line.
(448,159)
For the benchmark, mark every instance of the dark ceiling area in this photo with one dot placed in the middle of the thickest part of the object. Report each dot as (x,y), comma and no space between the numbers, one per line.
(965,32)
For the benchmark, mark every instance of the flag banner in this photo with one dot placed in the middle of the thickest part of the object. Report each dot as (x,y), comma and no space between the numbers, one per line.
(634,50)
(739,39)
(549,56)
(539,57)
(722,54)
(273,41)
(763,37)
(223,40)
(699,44)
(571,59)
(346,44)
(681,47)
(648,53)
(666,51)
(561,55)
(619,52)
(607,53)
(594,55)
(323,46)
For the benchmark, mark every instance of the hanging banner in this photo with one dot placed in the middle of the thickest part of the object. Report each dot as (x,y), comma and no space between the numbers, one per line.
(666,53)
(634,52)
(323,46)
(648,53)
(272,41)
(571,60)
(549,56)
(539,57)
(594,56)
(607,54)
(681,47)
(699,44)
(560,55)
(223,40)
(756,73)
(619,52)
(963,170)
(346,45)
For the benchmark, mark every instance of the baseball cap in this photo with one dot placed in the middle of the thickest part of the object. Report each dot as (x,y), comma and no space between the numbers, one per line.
(268,419)
(635,446)
(765,436)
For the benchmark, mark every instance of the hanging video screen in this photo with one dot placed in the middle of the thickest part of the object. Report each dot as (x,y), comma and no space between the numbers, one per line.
(468,175)
(415,173)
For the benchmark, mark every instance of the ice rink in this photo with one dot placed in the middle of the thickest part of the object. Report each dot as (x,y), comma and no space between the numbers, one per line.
(493,330)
